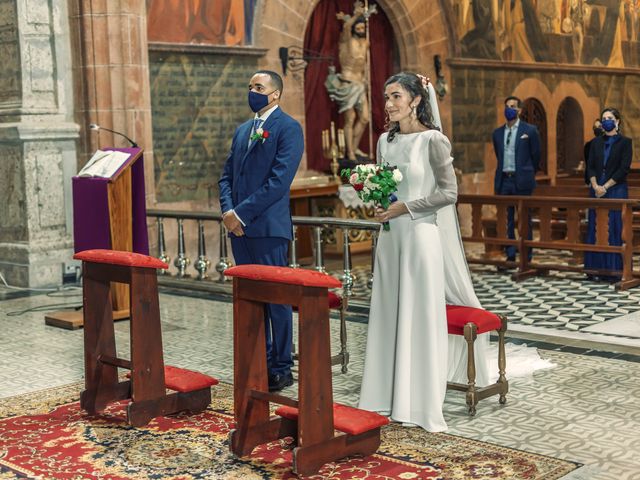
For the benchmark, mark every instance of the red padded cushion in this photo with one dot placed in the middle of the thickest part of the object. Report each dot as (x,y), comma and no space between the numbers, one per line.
(290,276)
(116,257)
(335,301)
(458,316)
(183,380)
(345,419)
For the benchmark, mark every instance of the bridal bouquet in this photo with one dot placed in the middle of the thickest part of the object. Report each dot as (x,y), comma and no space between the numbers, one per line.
(374,183)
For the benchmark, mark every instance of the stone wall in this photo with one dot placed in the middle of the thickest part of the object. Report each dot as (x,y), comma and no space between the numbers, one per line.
(478,94)
(111,77)
(37,142)
(420,27)
(199,94)
(198,98)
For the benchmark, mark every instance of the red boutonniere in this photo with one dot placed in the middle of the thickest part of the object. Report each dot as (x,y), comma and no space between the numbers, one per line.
(260,134)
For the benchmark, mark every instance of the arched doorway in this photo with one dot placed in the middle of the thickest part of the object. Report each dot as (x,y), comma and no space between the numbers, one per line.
(569,135)
(321,37)
(533,112)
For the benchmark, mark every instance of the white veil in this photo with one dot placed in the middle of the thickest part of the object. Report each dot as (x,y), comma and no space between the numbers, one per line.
(458,285)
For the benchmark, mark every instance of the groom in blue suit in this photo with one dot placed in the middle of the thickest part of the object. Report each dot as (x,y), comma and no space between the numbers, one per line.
(517,148)
(254,199)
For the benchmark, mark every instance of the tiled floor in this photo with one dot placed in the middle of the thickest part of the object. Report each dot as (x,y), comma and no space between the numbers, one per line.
(585,409)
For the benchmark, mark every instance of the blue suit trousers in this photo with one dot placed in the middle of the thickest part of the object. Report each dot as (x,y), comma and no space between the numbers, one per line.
(277,318)
(509,187)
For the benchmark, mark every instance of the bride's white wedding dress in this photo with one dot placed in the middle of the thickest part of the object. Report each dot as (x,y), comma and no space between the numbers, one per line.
(420,266)
(407,342)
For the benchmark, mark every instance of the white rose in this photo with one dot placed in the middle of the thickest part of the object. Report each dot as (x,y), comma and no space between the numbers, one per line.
(353,178)
(259,131)
(370,185)
(397,176)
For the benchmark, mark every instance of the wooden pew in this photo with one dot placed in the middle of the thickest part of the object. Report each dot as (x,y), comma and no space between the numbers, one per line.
(542,208)
(558,215)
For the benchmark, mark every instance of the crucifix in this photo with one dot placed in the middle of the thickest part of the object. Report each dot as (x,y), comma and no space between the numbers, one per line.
(350,88)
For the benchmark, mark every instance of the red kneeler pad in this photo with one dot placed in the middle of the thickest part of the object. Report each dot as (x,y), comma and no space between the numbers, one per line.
(350,420)
(458,316)
(116,257)
(183,380)
(287,275)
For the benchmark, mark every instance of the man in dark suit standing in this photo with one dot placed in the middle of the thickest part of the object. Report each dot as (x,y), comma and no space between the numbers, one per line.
(254,199)
(517,148)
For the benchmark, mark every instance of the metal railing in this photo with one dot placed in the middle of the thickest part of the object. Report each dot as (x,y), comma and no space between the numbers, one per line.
(203,263)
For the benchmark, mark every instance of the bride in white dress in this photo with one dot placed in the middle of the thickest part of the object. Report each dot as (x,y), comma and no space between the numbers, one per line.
(419,267)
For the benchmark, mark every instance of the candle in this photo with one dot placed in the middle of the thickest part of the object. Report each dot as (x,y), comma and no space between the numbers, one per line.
(325,139)
(333,133)
(340,138)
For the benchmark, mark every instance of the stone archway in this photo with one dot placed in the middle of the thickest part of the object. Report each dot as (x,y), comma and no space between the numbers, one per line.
(569,135)
(533,112)
(421,31)
(532,87)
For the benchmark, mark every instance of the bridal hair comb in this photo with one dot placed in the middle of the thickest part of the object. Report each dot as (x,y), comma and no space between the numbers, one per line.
(424,80)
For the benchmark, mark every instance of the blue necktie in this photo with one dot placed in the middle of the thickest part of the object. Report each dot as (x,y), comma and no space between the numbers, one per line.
(256,124)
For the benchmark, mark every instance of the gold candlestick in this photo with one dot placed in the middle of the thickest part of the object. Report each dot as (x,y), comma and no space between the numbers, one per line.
(341,143)
(332,150)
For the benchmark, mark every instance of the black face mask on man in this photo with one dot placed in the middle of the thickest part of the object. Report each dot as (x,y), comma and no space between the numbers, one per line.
(598,131)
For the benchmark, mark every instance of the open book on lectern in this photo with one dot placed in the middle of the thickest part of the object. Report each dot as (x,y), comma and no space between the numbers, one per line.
(104,164)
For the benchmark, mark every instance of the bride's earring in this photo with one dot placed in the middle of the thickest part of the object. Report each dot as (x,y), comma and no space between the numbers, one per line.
(413,111)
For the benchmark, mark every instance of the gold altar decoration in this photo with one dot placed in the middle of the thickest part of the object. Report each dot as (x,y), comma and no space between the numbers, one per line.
(332,149)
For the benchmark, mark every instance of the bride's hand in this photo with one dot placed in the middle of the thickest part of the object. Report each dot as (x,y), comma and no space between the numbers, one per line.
(395,210)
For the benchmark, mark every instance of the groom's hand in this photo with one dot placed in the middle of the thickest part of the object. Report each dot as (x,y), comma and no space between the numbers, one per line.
(232,223)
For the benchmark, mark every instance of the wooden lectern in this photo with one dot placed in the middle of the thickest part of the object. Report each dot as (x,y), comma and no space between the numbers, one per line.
(109,213)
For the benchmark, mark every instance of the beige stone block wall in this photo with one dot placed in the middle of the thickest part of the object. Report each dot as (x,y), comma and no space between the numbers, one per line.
(111,75)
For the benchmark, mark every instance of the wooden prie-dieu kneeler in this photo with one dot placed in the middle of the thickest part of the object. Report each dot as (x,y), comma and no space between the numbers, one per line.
(149,378)
(313,418)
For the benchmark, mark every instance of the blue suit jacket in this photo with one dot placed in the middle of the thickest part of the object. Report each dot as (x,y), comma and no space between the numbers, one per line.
(527,156)
(256,178)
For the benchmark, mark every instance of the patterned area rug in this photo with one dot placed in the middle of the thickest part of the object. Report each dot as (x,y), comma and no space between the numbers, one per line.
(46,435)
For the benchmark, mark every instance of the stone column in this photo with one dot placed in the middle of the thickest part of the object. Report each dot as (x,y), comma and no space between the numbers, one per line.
(37,142)
(111,71)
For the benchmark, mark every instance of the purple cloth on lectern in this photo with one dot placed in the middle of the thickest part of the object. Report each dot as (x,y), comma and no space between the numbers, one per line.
(91,209)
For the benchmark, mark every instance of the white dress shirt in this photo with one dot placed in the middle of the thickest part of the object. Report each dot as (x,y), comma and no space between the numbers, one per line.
(510,133)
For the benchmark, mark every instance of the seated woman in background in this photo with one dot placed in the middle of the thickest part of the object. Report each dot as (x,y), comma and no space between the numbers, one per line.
(607,168)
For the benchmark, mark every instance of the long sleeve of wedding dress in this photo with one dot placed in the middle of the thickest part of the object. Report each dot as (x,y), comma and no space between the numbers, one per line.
(446,191)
